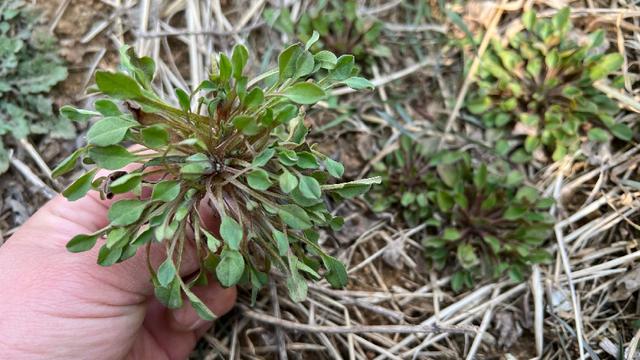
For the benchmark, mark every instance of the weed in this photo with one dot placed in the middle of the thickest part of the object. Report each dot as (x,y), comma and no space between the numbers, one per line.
(241,150)
(340,28)
(540,87)
(478,223)
(29,68)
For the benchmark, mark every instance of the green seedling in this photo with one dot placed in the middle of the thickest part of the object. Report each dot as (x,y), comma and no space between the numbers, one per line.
(236,146)
(479,223)
(29,68)
(541,85)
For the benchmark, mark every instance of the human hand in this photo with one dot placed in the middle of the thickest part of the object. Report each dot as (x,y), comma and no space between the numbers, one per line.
(59,305)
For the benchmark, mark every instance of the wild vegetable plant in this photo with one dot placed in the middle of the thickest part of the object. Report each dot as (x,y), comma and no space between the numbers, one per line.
(479,222)
(235,145)
(340,28)
(29,68)
(540,84)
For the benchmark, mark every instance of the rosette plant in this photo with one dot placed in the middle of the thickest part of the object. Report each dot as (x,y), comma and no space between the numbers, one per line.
(537,90)
(29,69)
(479,223)
(339,26)
(235,145)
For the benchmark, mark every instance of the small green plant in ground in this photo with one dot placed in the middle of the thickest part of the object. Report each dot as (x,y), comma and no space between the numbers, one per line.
(339,27)
(541,85)
(235,145)
(29,68)
(478,223)
(406,174)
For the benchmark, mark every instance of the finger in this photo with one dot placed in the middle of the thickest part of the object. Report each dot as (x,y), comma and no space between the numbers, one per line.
(176,339)
(218,299)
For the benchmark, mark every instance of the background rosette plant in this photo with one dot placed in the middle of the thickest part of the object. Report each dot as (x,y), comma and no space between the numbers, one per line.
(29,68)
(480,221)
(538,89)
(236,145)
(339,26)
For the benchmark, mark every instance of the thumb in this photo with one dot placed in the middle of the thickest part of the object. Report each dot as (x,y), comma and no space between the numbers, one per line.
(60,220)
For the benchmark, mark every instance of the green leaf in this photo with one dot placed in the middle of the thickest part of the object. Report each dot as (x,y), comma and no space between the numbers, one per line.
(254,98)
(117,238)
(335,168)
(118,85)
(80,187)
(247,124)
(304,64)
(109,131)
(407,198)
(337,273)
(287,181)
(529,19)
(493,242)
(598,135)
(67,164)
(154,136)
(514,213)
(125,183)
(74,114)
(622,132)
(111,157)
(281,241)
(287,61)
(183,100)
(457,281)
(304,93)
(239,58)
(201,309)
(171,296)
(359,83)
(297,287)
(108,257)
(552,59)
(166,191)
(212,243)
(126,212)
(294,216)
(560,20)
(231,232)
(107,107)
(309,187)
(312,40)
(82,242)
(259,179)
(605,66)
(534,67)
(166,272)
(230,268)
(225,68)
(344,68)
(478,104)
(326,59)
(353,188)
(467,256)
(263,158)
(451,234)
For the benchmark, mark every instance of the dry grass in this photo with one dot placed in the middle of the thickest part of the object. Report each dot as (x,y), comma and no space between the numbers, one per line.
(583,305)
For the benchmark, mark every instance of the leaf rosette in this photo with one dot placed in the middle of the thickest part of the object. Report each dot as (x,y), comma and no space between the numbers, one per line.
(535,91)
(236,145)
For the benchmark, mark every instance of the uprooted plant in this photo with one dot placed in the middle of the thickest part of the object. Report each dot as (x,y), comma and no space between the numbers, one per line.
(235,145)
(539,86)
